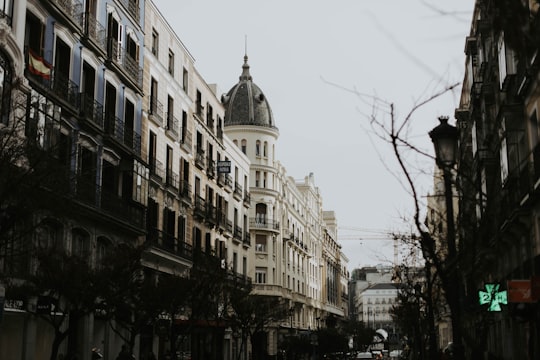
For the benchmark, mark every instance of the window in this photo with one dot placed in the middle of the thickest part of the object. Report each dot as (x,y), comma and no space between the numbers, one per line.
(257,178)
(152,145)
(169,162)
(49,235)
(6,10)
(265,149)
(244,146)
(155,42)
(507,62)
(171,63)
(257,148)
(35,32)
(260,275)
(80,243)
(170,113)
(5,88)
(185,80)
(184,131)
(103,247)
(182,228)
(140,182)
(153,96)
(260,243)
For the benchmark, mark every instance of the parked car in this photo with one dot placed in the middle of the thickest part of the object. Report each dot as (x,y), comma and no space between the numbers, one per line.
(364,355)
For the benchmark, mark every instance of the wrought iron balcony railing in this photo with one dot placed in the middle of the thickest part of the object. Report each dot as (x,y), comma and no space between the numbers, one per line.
(92,110)
(171,124)
(95,31)
(156,111)
(72,9)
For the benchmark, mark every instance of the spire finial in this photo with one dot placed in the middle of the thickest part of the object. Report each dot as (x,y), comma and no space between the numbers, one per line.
(245,68)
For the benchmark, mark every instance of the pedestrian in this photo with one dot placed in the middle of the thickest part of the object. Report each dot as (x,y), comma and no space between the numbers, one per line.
(124,354)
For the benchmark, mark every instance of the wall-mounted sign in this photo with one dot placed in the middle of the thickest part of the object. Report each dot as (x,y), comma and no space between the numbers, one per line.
(223,167)
(493,297)
(519,291)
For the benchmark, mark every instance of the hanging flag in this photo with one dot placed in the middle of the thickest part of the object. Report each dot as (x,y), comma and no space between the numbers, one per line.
(38,66)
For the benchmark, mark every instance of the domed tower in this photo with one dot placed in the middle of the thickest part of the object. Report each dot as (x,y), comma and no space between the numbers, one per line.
(249,123)
(245,103)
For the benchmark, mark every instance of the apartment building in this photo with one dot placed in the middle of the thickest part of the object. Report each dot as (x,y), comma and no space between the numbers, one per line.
(295,253)
(498,176)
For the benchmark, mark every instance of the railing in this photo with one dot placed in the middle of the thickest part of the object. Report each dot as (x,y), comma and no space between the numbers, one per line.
(65,89)
(156,110)
(247,239)
(200,206)
(71,8)
(237,232)
(210,167)
(95,31)
(184,190)
(247,197)
(185,140)
(132,8)
(156,169)
(263,223)
(199,158)
(211,213)
(237,189)
(171,179)
(92,110)
(89,193)
(127,63)
(172,124)
(169,243)
(6,15)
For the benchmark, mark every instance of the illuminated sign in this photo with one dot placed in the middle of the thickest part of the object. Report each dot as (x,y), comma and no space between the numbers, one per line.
(492,297)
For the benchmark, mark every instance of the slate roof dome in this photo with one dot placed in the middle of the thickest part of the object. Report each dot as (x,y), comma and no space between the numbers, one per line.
(245,103)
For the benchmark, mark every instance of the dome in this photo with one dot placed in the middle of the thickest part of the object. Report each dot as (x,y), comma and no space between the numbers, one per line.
(245,103)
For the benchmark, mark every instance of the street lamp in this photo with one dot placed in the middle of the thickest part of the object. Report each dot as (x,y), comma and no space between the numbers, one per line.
(445,141)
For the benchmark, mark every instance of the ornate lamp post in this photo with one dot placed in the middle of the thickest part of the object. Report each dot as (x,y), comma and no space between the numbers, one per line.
(445,141)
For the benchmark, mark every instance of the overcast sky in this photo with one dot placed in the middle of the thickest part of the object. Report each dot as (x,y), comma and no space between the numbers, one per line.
(306,55)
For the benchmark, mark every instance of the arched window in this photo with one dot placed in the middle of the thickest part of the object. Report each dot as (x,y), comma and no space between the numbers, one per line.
(49,235)
(103,248)
(80,243)
(244,146)
(265,149)
(5,87)
(257,148)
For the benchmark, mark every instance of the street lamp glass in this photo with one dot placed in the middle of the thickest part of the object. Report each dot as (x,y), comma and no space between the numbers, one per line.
(445,141)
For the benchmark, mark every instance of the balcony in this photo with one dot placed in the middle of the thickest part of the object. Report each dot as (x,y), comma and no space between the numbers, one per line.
(185,140)
(92,111)
(59,86)
(247,198)
(125,62)
(171,180)
(156,111)
(185,191)
(211,214)
(225,180)
(95,31)
(247,239)
(200,159)
(169,243)
(109,203)
(210,168)
(237,233)
(200,207)
(132,8)
(70,9)
(237,193)
(156,169)
(171,125)
(126,136)
(263,223)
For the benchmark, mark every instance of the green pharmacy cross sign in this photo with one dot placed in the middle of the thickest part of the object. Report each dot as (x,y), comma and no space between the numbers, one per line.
(493,297)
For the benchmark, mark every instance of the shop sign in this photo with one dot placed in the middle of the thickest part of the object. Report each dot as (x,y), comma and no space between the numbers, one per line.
(519,291)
